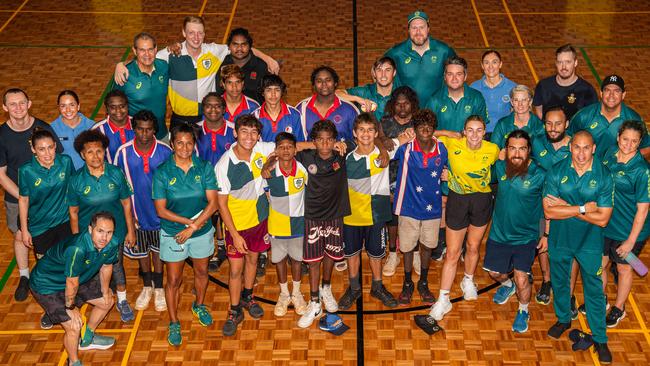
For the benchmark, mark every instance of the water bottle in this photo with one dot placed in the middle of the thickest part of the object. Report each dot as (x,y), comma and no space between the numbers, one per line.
(636,264)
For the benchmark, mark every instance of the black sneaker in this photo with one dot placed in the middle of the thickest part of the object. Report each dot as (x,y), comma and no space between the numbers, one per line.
(254,309)
(349,297)
(427,324)
(543,296)
(614,317)
(406,294)
(230,326)
(557,329)
(218,259)
(574,308)
(425,294)
(22,290)
(46,322)
(604,355)
(438,253)
(261,265)
(383,295)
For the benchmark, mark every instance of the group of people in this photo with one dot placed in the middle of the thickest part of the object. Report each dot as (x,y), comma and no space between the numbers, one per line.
(424,169)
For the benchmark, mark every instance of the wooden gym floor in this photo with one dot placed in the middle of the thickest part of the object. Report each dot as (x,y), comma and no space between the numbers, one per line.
(50,45)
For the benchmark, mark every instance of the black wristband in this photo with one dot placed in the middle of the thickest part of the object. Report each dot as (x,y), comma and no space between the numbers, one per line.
(71,307)
(545,235)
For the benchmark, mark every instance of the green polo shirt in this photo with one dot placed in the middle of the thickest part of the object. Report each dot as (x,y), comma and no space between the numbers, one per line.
(148,92)
(535,128)
(75,256)
(595,185)
(185,193)
(105,193)
(369,91)
(545,154)
(452,115)
(631,186)
(424,74)
(514,196)
(604,132)
(46,189)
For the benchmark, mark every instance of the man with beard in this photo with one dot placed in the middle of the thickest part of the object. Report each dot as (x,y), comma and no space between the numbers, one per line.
(604,119)
(420,58)
(374,96)
(565,88)
(514,237)
(578,199)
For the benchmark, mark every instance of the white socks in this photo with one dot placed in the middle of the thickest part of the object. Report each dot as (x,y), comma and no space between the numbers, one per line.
(24,272)
(121,296)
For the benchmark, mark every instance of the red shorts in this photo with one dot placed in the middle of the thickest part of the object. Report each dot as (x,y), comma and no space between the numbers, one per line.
(257,239)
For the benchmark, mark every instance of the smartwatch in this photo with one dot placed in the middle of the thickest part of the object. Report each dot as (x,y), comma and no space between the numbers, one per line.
(583,209)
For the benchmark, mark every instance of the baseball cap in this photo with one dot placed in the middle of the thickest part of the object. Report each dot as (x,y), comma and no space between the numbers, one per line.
(418,14)
(613,79)
(333,323)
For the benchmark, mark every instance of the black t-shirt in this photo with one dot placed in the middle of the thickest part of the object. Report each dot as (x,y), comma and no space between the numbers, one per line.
(16,151)
(392,129)
(326,195)
(254,70)
(572,98)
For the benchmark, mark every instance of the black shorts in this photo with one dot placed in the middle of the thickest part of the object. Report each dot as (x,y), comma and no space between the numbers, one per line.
(394,221)
(145,241)
(323,237)
(503,258)
(52,236)
(372,238)
(54,304)
(177,119)
(468,209)
(609,249)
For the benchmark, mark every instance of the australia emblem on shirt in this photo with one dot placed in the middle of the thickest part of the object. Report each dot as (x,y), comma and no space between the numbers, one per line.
(337,119)
(592,183)
(111,186)
(288,129)
(468,108)
(197,178)
(62,176)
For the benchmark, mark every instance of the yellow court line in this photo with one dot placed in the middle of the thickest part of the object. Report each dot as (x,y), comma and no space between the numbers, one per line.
(637,313)
(64,354)
(521,42)
(134,332)
(584,327)
(112,12)
(570,12)
(480,24)
(205,2)
(13,16)
(58,331)
(634,331)
(232,16)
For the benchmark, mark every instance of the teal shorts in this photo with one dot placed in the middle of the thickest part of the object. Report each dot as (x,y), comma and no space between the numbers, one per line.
(198,247)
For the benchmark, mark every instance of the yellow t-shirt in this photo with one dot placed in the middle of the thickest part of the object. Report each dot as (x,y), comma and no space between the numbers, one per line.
(469,170)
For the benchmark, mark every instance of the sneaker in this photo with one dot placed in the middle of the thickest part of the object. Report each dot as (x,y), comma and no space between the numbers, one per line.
(97,341)
(299,304)
(604,355)
(331,306)
(440,308)
(254,309)
(574,308)
(417,264)
(202,314)
(503,294)
(543,296)
(425,294)
(142,302)
(557,329)
(469,289)
(261,265)
(349,297)
(520,325)
(427,324)
(391,264)
(383,295)
(160,304)
(282,305)
(230,326)
(174,337)
(341,266)
(406,294)
(582,309)
(438,254)
(314,311)
(46,322)
(22,290)
(126,313)
(612,319)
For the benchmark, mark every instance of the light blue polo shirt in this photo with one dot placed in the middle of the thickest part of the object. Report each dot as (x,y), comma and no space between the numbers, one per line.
(497,99)
(67,135)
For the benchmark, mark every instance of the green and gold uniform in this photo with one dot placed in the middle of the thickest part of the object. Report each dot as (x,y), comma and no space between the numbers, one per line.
(452,115)
(369,91)
(545,155)
(535,129)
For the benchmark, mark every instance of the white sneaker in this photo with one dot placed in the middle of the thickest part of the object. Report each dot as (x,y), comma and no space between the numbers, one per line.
(282,305)
(391,264)
(314,311)
(142,302)
(341,266)
(469,289)
(299,304)
(328,299)
(159,299)
(440,308)
(417,265)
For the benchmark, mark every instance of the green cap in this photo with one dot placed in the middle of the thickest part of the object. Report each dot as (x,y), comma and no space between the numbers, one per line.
(418,14)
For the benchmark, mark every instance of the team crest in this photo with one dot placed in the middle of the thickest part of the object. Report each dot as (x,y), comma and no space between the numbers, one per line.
(206,64)
(38,182)
(337,119)
(434,59)
(197,178)
(111,186)
(253,75)
(312,168)
(571,98)
(468,108)
(288,129)
(593,125)
(298,183)
(336,166)
(86,190)
(505,99)
(259,163)
(592,183)
(227,146)
(267,239)
(564,179)
(503,177)
(377,162)
(62,175)
(526,183)
(172,181)
(543,153)
(443,109)
(407,61)
(138,85)
(161,78)
(485,157)
(437,161)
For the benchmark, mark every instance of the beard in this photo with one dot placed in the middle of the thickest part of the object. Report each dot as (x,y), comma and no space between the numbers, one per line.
(518,168)
(557,139)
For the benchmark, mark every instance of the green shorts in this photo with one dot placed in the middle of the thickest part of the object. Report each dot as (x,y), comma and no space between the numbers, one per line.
(198,247)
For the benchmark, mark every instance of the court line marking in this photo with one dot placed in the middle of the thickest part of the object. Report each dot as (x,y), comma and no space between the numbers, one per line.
(639,318)
(134,332)
(7,274)
(480,24)
(521,42)
(205,2)
(569,12)
(64,354)
(58,331)
(13,15)
(232,16)
(101,12)
(590,65)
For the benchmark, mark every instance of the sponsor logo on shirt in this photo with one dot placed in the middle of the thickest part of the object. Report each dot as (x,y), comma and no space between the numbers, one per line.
(457,152)
(87,261)
(336,166)
(543,152)
(138,85)
(407,61)
(564,179)
(197,178)
(443,109)
(600,271)
(172,181)
(337,119)
(86,190)
(593,125)
(62,175)
(621,173)
(571,98)
(504,177)
(38,182)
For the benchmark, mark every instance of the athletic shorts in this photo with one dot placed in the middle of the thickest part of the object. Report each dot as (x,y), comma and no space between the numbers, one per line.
(411,230)
(198,247)
(54,304)
(394,221)
(283,247)
(145,241)
(468,209)
(373,238)
(611,245)
(257,240)
(11,211)
(50,237)
(503,258)
(323,237)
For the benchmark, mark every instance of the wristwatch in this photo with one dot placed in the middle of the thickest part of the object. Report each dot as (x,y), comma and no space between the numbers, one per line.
(71,307)
(545,235)
(583,209)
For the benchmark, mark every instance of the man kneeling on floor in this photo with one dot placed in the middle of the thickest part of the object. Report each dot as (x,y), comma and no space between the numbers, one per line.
(75,271)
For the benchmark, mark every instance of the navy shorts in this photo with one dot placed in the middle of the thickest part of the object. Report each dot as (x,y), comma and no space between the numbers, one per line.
(50,237)
(503,258)
(372,238)
(610,250)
